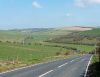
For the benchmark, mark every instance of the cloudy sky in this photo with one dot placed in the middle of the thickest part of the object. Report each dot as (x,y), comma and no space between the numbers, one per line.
(48,13)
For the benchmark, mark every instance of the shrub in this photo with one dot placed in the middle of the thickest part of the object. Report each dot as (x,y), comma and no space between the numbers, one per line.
(8,41)
(66,53)
(58,53)
(0,41)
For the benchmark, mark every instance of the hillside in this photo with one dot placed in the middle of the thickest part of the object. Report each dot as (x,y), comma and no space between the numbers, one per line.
(34,35)
(89,37)
(29,46)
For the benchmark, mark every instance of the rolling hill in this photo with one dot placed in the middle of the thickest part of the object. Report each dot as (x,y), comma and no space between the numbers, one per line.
(89,37)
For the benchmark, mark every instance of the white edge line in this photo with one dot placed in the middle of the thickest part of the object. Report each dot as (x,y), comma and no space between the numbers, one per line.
(46,73)
(88,66)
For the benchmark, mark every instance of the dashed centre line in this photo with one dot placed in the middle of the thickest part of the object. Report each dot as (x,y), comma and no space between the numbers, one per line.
(72,60)
(62,65)
(46,73)
(57,67)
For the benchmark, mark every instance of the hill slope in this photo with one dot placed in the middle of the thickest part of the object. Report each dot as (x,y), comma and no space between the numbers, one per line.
(89,37)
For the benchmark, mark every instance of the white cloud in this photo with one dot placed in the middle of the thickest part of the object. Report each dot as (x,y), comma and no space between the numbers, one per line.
(84,3)
(36,5)
(79,3)
(95,1)
(68,14)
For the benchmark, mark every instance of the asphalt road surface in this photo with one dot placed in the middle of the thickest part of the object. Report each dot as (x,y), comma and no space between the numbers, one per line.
(72,67)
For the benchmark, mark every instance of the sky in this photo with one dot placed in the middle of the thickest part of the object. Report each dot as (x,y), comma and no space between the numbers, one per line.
(48,13)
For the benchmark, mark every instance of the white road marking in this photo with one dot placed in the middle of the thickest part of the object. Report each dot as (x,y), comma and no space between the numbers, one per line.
(75,59)
(67,63)
(57,67)
(72,60)
(16,69)
(62,65)
(88,66)
(78,58)
(46,73)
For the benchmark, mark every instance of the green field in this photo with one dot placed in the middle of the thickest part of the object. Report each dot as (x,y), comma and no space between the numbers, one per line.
(19,36)
(12,56)
(95,32)
(25,47)
(82,48)
(26,53)
(13,40)
(20,48)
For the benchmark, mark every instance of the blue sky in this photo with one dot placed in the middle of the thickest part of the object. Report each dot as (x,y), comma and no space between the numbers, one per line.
(48,13)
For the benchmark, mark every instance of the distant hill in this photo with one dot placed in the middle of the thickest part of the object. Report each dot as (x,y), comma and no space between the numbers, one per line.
(77,28)
(74,34)
(30,34)
(89,37)
(32,29)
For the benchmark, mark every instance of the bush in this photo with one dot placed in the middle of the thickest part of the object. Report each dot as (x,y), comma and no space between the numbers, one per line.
(58,53)
(14,42)
(67,53)
(0,41)
(29,43)
(8,41)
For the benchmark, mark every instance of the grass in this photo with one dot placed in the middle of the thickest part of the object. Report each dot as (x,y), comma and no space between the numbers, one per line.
(95,59)
(27,52)
(11,36)
(89,37)
(14,55)
(82,48)
(94,32)
(19,36)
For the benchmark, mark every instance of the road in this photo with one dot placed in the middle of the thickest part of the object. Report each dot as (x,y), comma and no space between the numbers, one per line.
(72,67)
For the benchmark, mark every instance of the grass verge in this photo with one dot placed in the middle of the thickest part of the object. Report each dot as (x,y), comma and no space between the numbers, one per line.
(4,65)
